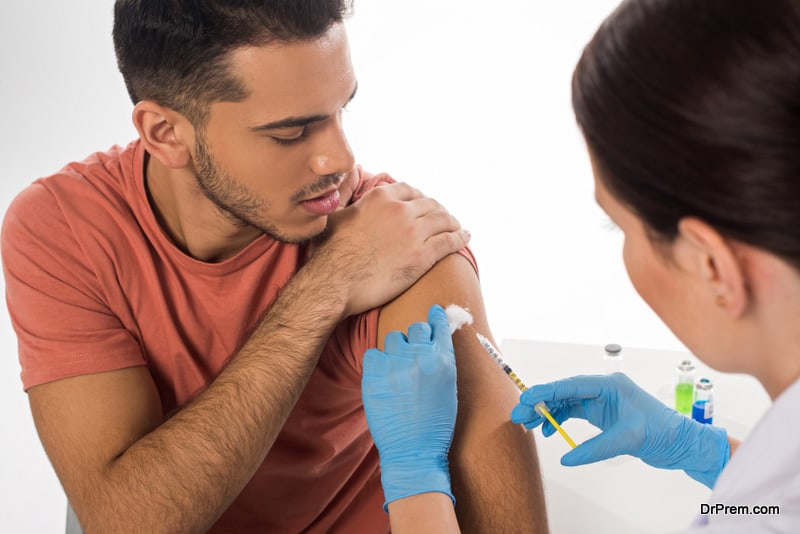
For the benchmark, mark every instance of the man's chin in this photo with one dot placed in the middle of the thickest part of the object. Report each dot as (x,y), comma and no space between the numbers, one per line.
(299,239)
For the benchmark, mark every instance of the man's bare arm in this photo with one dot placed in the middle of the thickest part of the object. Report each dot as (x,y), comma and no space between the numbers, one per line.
(493,463)
(126,470)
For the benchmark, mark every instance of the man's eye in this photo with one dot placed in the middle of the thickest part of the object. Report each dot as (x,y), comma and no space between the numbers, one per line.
(290,138)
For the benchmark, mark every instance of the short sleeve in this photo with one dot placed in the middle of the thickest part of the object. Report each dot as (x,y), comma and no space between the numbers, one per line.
(64,327)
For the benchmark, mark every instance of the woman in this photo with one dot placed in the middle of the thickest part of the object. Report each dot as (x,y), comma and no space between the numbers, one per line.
(691,114)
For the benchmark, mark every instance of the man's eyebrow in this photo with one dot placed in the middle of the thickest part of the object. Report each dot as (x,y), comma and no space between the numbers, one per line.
(294,122)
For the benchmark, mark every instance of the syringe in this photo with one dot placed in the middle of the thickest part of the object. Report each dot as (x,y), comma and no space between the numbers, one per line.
(540,407)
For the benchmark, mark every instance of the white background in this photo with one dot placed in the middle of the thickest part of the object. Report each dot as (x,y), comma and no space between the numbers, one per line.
(465,99)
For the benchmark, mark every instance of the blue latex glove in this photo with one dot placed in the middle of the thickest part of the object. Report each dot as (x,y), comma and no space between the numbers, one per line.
(633,422)
(409,394)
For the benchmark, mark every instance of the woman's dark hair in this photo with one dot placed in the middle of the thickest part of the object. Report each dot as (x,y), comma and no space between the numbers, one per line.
(175,52)
(692,108)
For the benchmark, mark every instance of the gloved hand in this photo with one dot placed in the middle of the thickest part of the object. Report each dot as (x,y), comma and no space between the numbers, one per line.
(409,394)
(633,422)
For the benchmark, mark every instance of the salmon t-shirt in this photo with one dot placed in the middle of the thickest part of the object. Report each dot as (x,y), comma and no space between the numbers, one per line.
(93,284)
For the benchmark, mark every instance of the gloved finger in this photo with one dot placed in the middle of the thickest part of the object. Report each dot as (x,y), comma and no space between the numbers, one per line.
(419,333)
(440,327)
(548,429)
(562,413)
(442,360)
(394,343)
(536,394)
(373,371)
(574,388)
(605,445)
(566,410)
(372,359)
(525,415)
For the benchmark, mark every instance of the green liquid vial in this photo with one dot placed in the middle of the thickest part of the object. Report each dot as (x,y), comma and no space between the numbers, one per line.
(683,398)
(684,389)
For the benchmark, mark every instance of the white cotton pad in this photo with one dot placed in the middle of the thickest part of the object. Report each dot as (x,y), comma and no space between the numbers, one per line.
(457,317)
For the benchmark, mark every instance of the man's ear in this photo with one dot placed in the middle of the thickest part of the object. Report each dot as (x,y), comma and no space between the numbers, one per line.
(165,133)
(710,255)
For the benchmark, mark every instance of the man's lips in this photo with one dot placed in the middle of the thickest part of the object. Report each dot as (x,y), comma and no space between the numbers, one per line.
(323,204)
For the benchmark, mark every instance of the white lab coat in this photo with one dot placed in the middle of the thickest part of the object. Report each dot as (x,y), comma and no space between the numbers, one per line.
(764,472)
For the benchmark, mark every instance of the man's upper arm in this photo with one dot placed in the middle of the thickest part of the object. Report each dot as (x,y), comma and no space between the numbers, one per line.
(493,463)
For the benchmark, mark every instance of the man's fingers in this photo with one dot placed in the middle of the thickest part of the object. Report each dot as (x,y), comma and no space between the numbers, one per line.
(433,219)
(444,244)
(399,191)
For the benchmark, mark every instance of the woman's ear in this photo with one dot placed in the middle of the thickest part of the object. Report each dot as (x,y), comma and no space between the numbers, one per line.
(165,133)
(707,253)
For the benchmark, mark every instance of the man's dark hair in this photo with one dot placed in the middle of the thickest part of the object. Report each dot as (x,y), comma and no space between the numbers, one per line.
(175,52)
(692,108)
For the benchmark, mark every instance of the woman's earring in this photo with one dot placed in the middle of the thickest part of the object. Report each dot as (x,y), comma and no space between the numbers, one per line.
(721,301)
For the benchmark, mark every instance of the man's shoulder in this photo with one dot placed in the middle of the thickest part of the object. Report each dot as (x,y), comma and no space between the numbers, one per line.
(101,173)
(90,193)
(78,186)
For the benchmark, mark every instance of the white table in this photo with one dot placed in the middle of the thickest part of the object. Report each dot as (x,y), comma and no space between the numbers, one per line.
(624,495)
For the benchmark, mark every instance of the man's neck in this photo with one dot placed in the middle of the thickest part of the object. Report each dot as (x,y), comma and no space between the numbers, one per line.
(189,218)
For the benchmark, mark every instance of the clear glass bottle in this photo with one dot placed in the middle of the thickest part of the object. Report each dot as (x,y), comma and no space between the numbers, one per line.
(612,358)
(684,389)
(703,406)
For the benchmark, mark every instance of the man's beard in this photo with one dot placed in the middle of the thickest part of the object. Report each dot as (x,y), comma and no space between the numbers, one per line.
(241,206)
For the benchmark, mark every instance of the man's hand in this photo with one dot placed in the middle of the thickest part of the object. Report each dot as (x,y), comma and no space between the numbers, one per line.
(383,243)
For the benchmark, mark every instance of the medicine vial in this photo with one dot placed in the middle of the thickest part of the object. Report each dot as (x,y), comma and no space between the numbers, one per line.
(612,358)
(684,389)
(703,406)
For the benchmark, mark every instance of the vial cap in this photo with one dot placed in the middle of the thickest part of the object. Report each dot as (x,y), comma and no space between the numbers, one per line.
(613,348)
(704,384)
(686,365)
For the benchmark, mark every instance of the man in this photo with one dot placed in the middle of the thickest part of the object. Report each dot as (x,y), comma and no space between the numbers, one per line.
(192,309)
